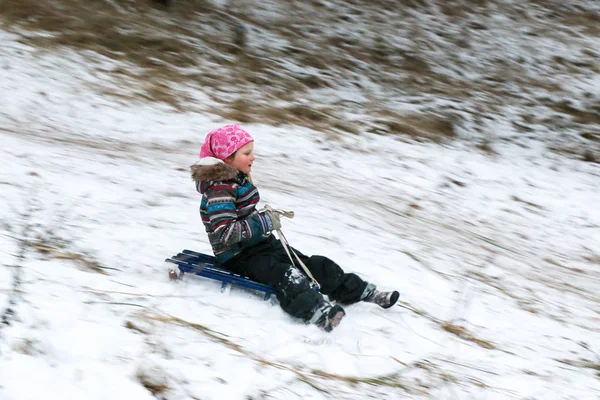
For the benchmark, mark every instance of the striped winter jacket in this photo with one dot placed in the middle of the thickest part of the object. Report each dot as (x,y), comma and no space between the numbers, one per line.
(228,208)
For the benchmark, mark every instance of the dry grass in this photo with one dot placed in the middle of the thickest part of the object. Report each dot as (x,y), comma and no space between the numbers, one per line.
(150,383)
(594,365)
(590,156)
(462,333)
(132,326)
(30,347)
(430,126)
(127,33)
(312,377)
(576,150)
(82,260)
(591,115)
(591,136)
(462,8)
(324,119)
(587,22)
(97,26)
(214,48)
(486,146)
(165,44)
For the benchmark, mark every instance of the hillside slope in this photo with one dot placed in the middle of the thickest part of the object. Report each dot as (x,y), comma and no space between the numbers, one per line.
(489,232)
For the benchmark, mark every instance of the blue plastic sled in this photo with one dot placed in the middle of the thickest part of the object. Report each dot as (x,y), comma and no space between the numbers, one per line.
(207,266)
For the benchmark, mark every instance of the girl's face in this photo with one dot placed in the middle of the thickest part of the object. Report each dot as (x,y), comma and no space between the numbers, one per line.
(243,158)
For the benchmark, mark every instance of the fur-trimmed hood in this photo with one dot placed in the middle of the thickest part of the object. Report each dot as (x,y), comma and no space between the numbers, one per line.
(212,169)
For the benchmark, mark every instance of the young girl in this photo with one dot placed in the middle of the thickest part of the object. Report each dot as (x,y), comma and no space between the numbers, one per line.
(241,238)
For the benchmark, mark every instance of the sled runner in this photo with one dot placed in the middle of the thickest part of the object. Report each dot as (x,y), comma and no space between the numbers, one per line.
(207,266)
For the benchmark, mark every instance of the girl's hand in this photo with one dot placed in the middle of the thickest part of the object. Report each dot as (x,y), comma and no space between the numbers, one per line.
(275,216)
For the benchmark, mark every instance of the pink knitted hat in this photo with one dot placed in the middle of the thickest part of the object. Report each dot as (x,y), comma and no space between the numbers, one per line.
(224,141)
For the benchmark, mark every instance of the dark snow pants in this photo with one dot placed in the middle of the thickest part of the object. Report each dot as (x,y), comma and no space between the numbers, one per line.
(268,263)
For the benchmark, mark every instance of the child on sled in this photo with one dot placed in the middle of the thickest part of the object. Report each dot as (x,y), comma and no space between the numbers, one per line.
(241,239)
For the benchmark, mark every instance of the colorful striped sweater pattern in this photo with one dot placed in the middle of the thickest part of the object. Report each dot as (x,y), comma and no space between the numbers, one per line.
(228,209)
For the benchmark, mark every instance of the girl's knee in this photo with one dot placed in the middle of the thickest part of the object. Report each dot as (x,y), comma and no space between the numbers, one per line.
(293,276)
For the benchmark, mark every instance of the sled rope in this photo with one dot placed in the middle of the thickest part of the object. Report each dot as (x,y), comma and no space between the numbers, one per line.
(288,248)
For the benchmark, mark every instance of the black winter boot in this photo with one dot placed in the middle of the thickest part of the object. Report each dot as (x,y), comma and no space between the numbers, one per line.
(382,299)
(327,316)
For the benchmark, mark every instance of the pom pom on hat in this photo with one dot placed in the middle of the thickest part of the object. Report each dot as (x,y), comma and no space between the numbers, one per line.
(224,141)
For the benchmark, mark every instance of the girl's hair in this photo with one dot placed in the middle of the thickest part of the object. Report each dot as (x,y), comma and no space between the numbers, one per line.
(230,159)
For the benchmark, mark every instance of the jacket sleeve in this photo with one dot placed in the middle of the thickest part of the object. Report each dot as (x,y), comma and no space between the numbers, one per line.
(222,217)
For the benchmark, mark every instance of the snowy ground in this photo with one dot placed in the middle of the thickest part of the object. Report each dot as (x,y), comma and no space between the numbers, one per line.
(496,258)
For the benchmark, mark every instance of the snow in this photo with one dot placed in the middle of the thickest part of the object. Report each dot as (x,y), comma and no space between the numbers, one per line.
(505,246)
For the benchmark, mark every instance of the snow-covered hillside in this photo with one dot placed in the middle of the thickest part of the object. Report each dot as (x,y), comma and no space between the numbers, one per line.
(495,252)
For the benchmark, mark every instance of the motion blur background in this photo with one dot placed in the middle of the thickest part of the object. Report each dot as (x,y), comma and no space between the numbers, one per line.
(446,149)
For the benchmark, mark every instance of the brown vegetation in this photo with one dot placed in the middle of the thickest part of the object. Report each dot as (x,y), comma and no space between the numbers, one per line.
(462,333)
(286,69)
